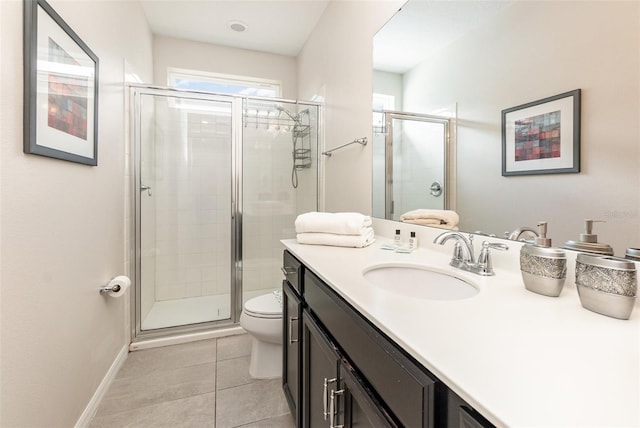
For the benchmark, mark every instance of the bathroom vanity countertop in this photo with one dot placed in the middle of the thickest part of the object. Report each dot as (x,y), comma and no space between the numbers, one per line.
(521,359)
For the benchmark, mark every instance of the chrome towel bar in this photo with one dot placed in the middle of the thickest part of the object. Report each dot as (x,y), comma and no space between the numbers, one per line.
(362,141)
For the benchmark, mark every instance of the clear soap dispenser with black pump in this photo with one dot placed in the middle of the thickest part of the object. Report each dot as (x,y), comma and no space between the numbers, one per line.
(543,268)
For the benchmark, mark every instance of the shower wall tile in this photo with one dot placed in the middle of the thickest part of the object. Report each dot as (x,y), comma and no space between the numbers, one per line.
(208,245)
(192,274)
(269,203)
(209,273)
(194,289)
(209,287)
(176,291)
(193,206)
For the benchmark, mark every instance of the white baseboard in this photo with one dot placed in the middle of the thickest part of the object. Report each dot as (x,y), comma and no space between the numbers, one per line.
(185,338)
(94,403)
(92,406)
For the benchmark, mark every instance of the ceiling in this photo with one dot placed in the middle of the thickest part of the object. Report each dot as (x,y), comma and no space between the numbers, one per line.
(423,27)
(420,28)
(279,27)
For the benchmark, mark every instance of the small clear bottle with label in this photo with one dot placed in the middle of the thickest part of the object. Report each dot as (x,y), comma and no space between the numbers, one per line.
(413,241)
(396,239)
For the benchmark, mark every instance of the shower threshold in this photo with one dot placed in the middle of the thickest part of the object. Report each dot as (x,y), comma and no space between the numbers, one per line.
(191,310)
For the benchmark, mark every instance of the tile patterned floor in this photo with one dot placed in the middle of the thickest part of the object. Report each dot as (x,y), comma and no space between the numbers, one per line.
(198,384)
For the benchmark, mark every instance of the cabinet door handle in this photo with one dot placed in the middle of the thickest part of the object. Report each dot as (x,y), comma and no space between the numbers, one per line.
(325,396)
(333,414)
(291,340)
(286,270)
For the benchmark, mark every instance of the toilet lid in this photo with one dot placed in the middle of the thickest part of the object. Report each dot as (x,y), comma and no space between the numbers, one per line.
(265,306)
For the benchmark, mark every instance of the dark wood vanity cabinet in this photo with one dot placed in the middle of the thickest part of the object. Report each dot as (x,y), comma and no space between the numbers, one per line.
(334,394)
(349,374)
(460,414)
(403,391)
(292,334)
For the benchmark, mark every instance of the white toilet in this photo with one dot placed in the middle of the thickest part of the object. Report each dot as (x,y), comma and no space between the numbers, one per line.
(262,318)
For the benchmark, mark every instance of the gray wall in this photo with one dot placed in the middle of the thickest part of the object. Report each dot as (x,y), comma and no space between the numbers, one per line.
(62,227)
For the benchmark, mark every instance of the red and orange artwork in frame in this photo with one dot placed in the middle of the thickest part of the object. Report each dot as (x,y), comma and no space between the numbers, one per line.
(542,137)
(60,88)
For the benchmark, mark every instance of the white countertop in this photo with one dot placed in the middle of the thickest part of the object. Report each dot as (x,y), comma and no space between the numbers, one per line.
(521,359)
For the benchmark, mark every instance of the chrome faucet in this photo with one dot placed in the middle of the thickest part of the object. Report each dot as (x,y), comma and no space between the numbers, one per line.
(516,234)
(463,254)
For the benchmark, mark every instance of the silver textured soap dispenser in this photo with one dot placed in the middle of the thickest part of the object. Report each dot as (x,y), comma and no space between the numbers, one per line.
(606,285)
(543,268)
(588,241)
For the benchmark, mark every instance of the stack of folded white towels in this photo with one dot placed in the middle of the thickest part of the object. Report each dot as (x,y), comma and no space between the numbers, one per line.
(445,219)
(335,229)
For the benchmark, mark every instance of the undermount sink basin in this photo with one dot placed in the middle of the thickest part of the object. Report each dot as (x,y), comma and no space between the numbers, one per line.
(418,282)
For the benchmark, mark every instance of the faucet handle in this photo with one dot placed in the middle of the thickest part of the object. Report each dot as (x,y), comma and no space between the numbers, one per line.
(471,249)
(495,245)
(457,252)
(484,265)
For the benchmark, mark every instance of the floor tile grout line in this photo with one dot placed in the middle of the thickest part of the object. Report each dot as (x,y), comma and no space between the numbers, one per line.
(215,402)
(253,381)
(260,420)
(164,371)
(158,403)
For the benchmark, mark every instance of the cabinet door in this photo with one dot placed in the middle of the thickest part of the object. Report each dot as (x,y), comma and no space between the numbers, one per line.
(293,271)
(291,356)
(320,374)
(361,409)
(458,413)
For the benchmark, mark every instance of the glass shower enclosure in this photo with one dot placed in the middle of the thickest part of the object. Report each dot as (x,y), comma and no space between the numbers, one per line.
(411,163)
(217,182)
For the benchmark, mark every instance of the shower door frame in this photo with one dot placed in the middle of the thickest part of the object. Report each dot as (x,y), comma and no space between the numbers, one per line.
(136,91)
(389,116)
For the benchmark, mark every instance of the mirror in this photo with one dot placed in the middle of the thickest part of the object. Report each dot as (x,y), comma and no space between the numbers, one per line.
(486,57)
(411,150)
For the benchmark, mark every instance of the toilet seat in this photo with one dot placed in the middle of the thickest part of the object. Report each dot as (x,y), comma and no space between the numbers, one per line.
(264,306)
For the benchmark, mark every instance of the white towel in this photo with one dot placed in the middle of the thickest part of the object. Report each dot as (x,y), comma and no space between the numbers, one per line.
(431,222)
(436,217)
(334,240)
(336,223)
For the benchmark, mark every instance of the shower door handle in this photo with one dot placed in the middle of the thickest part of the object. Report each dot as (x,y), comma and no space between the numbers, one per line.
(144,187)
(435,189)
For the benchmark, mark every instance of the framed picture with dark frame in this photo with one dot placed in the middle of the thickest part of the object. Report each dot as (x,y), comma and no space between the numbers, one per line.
(60,88)
(542,137)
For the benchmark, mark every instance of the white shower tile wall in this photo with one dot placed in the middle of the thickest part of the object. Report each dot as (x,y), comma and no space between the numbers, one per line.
(193,207)
(192,193)
(269,205)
